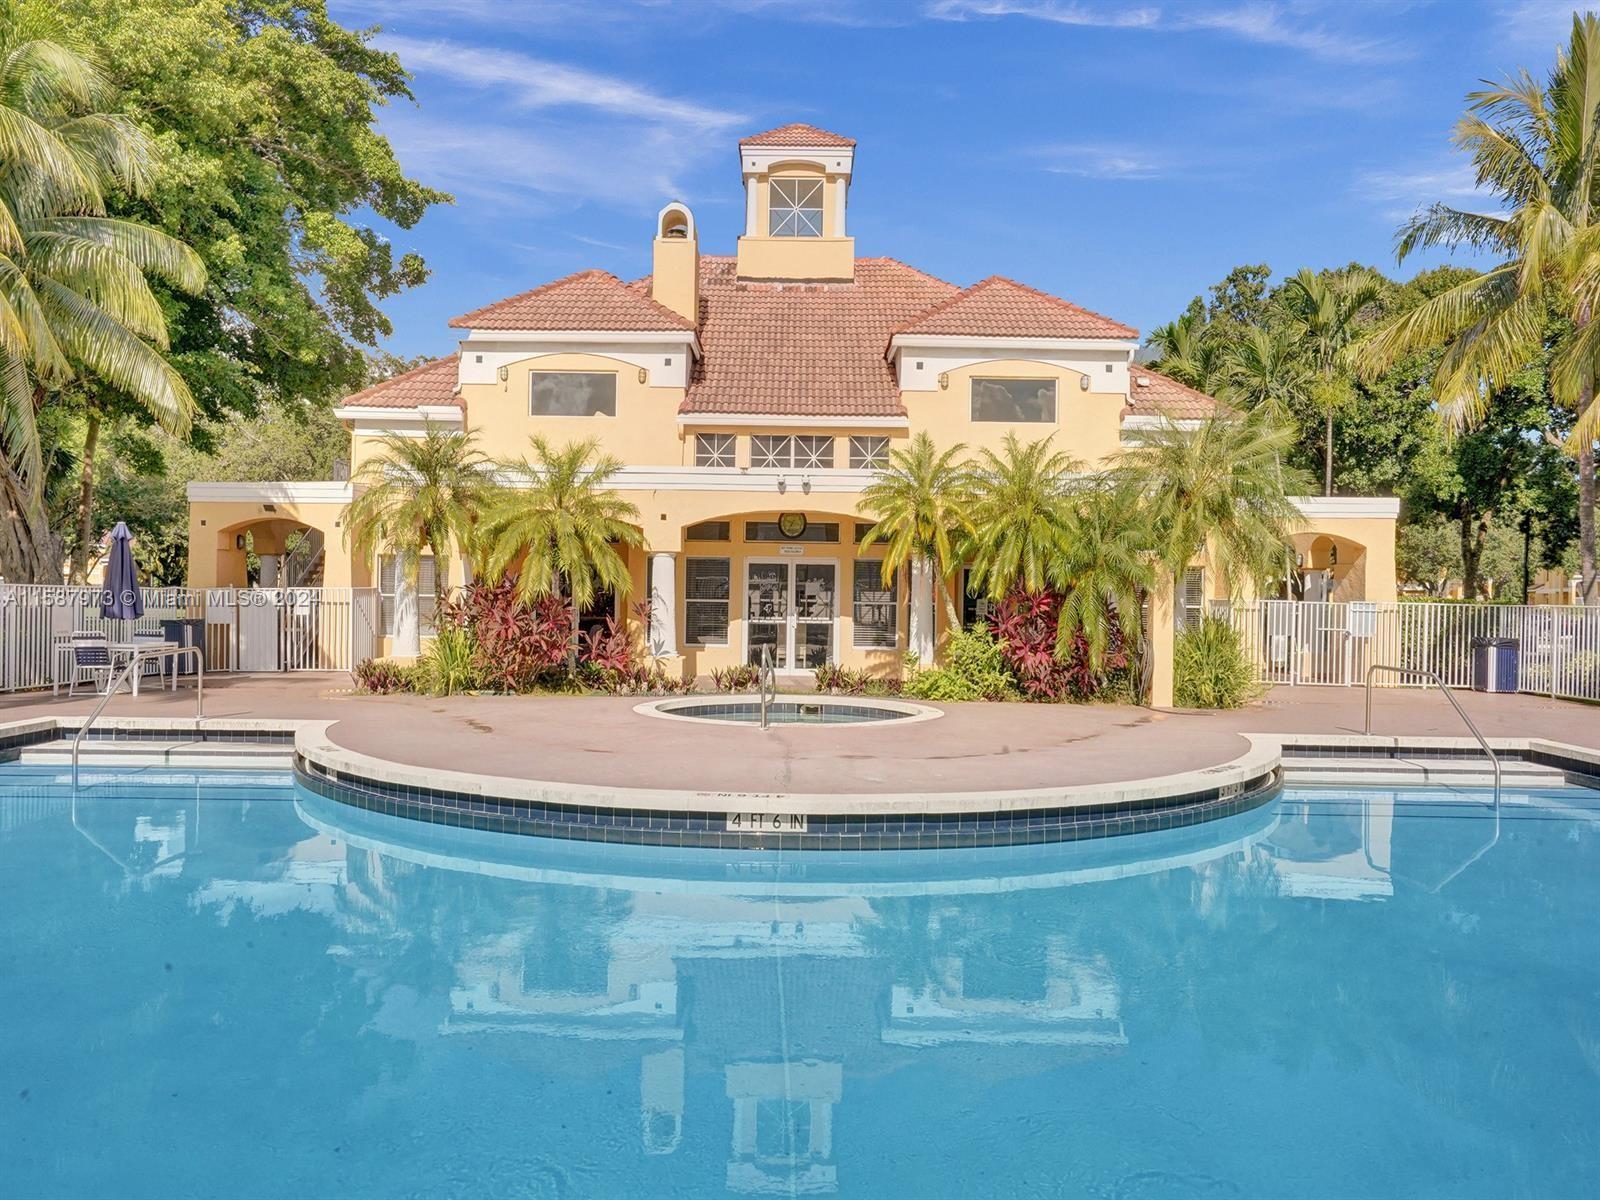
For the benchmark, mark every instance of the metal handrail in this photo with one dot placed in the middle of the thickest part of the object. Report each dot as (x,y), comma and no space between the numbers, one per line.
(766,680)
(1421,673)
(139,658)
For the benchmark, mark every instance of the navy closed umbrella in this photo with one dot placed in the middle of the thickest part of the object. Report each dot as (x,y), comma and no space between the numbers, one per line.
(121,599)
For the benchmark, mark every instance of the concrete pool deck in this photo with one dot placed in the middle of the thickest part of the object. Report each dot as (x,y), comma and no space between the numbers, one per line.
(600,742)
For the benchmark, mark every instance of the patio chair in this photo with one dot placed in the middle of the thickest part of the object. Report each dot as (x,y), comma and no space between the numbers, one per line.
(91,656)
(158,666)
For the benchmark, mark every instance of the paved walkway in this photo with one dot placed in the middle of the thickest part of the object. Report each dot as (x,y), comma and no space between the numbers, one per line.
(602,741)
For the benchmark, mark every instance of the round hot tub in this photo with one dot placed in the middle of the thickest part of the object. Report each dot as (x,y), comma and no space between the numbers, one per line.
(789,710)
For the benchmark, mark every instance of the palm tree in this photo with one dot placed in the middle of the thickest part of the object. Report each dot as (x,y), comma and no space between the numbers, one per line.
(561,533)
(1327,309)
(414,495)
(1537,146)
(1103,570)
(1266,372)
(1022,506)
(918,506)
(1189,353)
(1218,488)
(74,300)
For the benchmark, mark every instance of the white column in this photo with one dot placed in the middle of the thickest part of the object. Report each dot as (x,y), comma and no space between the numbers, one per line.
(663,604)
(841,192)
(919,637)
(407,642)
(751,209)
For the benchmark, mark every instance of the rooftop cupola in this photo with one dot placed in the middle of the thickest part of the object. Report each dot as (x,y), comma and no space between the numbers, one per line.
(797,188)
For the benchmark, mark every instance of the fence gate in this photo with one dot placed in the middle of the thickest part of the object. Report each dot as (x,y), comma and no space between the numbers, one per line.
(1301,642)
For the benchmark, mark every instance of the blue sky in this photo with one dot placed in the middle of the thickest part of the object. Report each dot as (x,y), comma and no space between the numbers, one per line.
(1124,156)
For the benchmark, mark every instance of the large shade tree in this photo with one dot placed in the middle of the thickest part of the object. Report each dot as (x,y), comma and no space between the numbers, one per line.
(418,495)
(273,168)
(1536,146)
(74,301)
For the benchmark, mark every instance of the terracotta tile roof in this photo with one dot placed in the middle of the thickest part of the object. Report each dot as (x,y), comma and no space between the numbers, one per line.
(1154,394)
(797,135)
(589,300)
(433,383)
(1000,307)
(808,350)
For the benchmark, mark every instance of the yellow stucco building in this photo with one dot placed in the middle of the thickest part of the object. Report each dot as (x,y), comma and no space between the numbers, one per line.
(751,397)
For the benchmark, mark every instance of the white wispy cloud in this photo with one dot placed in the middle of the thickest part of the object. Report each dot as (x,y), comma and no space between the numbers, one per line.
(528,82)
(1396,193)
(1268,24)
(1101,160)
(548,166)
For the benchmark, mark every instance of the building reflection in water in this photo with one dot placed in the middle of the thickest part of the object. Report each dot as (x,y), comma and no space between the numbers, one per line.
(789,987)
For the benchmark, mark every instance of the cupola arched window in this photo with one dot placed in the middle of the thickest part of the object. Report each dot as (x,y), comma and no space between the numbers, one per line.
(796,208)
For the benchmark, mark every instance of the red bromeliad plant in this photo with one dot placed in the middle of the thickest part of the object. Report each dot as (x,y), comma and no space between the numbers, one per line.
(520,645)
(1026,624)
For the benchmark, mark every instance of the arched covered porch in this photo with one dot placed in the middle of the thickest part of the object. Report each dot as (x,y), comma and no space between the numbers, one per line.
(725,584)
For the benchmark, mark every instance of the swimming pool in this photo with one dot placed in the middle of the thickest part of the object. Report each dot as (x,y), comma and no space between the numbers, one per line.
(224,985)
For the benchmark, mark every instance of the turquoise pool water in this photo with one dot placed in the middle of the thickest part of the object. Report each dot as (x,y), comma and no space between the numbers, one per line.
(216,985)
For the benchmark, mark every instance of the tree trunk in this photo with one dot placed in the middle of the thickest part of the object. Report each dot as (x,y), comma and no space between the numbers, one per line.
(1472,540)
(1588,584)
(407,638)
(919,635)
(80,552)
(1327,456)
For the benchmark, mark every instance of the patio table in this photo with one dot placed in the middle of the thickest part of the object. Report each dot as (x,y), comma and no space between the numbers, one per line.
(121,652)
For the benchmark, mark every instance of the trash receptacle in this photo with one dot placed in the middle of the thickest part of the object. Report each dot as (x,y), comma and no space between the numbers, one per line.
(1494,664)
(187,631)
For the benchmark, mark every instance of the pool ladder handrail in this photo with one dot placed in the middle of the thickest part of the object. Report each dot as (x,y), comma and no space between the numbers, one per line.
(139,658)
(1423,673)
(766,683)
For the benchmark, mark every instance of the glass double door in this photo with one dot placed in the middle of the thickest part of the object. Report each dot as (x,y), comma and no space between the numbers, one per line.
(793,608)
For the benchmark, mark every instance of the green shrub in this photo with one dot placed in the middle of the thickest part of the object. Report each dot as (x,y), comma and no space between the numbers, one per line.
(449,665)
(974,669)
(384,677)
(1211,668)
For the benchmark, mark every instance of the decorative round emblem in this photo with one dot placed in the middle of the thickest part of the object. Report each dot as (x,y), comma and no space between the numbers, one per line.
(791,525)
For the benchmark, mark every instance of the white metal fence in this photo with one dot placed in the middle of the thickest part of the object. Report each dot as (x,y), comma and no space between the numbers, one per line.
(245,629)
(1295,642)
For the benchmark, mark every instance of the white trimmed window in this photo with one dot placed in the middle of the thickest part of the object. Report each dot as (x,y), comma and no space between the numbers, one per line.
(573,394)
(813,453)
(706,597)
(869,453)
(873,607)
(771,450)
(791,452)
(795,208)
(714,449)
(1015,401)
(1192,598)
(389,586)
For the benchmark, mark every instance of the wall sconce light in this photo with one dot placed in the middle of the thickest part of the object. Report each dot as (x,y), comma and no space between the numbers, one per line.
(1083,383)
(944,380)
(238,541)
(504,373)
(805,485)
(643,374)
(783,484)
(1333,556)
